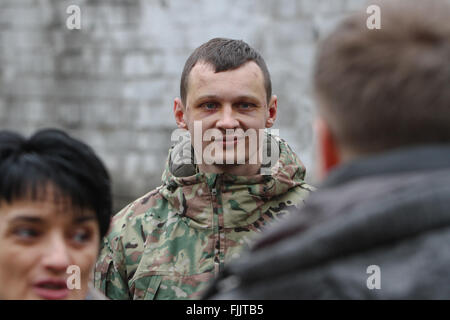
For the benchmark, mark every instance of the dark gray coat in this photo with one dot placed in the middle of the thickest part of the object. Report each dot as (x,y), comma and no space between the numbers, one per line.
(391,211)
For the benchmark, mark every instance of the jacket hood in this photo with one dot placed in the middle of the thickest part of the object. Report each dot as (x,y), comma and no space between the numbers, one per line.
(190,191)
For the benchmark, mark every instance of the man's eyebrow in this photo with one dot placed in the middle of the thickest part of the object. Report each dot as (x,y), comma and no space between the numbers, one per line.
(208,97)
(246,97)
(238,98)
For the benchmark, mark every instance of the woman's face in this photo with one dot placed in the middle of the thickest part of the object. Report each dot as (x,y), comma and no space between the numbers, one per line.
(39,240)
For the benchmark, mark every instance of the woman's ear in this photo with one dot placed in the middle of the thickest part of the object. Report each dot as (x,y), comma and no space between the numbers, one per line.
(179,113)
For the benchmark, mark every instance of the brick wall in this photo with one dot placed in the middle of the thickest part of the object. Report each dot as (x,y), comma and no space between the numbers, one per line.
(112,83)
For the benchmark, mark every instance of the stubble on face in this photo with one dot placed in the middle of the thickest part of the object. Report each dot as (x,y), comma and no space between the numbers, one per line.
(228,100)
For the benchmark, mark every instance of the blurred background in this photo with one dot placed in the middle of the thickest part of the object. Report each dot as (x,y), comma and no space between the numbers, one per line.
(112,83)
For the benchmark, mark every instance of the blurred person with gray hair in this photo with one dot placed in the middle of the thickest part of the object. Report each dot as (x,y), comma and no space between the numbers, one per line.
(379,226)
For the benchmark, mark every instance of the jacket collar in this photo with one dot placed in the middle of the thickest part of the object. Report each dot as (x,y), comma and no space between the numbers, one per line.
(242,197)
(402,160)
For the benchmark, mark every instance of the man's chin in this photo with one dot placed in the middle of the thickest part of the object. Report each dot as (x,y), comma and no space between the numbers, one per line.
(230,164)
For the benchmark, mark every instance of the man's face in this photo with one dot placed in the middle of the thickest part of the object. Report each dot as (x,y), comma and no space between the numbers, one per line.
(39,240)
(226,102)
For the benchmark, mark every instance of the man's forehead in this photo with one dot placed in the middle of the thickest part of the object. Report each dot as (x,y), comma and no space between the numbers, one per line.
(246,79)
(204,71)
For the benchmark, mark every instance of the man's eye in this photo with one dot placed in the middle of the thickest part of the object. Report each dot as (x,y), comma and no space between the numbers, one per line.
(245,105)
(209,106)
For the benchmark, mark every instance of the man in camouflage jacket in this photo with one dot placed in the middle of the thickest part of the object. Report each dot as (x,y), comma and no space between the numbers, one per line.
(170,243)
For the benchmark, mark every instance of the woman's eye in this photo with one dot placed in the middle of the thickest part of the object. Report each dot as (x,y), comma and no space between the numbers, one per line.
(26,233)
(81,236)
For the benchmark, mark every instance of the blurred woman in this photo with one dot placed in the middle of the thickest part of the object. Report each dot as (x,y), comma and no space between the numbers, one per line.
(55,206)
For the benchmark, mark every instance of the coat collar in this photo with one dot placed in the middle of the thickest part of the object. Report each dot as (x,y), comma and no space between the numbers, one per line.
(400,160)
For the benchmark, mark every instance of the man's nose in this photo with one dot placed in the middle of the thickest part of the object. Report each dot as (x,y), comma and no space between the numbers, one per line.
(57,255)
(227,118)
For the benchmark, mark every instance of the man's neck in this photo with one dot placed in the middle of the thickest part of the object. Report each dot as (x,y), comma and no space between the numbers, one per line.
(238,170)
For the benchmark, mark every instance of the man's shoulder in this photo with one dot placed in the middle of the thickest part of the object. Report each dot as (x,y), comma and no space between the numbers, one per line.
(144,210)
(296,195)
(126,238)
(304,187)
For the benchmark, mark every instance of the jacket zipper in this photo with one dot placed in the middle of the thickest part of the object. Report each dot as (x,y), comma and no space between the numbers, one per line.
(217,230)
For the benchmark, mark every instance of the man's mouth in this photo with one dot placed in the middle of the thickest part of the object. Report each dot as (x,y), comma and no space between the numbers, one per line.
(230,141)
(52,289)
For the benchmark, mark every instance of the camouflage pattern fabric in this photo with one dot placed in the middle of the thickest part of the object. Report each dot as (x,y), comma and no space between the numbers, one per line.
(170,243)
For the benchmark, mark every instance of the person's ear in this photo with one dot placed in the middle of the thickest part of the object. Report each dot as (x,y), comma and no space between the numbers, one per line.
(271,111)
(328,151)
(179,113)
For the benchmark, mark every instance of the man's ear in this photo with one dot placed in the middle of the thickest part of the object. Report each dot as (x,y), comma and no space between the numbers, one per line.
(271,111)
(328,151)
(179,113)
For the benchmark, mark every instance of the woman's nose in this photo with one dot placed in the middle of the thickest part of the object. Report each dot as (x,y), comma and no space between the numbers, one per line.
(57,255)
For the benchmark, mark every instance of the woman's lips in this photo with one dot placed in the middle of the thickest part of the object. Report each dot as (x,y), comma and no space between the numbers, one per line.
(51,289)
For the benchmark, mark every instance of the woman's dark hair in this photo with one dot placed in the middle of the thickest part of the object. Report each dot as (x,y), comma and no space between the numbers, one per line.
(53,158)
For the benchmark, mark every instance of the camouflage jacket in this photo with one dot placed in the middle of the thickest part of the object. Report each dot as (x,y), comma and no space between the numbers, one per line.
(171,242)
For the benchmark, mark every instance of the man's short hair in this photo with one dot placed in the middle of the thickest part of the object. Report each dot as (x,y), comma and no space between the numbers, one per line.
(390,87)
(51,158)
(224,54)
